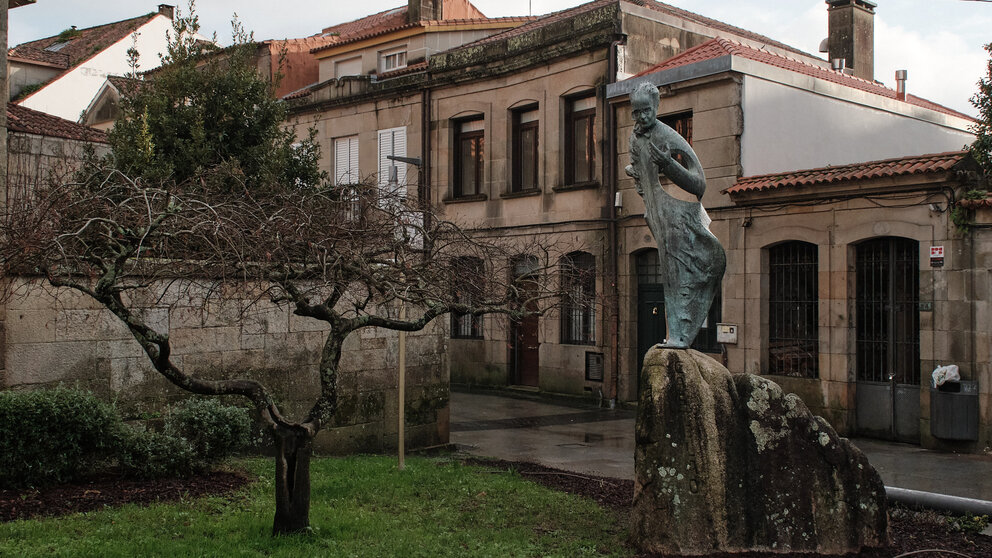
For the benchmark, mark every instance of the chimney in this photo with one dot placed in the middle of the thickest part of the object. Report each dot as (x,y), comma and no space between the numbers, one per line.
(901,76)
(851,35)
(424,10)
(167,10)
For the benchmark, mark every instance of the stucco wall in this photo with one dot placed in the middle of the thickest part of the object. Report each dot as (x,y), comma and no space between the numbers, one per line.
(69,95)
(786,128)
(61,337)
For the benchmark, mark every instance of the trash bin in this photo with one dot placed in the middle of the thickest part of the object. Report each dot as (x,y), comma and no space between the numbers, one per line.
(954,410)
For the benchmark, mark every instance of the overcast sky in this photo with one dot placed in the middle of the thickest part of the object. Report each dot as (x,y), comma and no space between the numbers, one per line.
(938,41)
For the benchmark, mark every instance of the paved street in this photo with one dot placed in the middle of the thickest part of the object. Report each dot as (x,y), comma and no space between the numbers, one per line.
(601,442)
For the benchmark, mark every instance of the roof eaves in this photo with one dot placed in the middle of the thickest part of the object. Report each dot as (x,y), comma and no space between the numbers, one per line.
(703,68)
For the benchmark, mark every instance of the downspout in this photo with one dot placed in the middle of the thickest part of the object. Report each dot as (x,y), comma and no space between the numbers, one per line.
(425,157)
(610,178)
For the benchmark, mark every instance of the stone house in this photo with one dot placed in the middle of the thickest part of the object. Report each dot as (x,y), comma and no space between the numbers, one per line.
(287,60)
(524,134)
(828,223)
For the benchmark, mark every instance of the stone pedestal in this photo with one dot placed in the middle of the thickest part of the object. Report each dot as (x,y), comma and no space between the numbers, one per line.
(729,463)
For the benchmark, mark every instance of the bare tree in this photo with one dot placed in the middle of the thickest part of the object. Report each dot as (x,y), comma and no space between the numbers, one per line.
(345,257)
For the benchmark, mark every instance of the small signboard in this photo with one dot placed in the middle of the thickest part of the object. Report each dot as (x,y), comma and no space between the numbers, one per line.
(936,256)
(726,333)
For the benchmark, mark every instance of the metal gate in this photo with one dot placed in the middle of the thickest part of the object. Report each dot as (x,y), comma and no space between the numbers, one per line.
(888,339)
(651,325)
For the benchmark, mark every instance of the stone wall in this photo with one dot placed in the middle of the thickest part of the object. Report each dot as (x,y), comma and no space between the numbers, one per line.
(60,337)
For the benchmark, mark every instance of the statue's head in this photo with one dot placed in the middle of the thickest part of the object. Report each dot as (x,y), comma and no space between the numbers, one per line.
(644,105)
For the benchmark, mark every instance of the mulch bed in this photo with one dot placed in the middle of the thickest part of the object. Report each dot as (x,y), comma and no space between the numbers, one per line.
(99,492)
(912,532)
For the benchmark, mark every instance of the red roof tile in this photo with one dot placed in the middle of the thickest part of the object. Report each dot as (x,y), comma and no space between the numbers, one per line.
(81,47)
(920,164)
(717,48)
(395,20)
(555,17)
(28,121)
(977,204)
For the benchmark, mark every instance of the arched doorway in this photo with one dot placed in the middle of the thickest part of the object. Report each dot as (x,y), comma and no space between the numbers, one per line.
(524,342)
(887,352)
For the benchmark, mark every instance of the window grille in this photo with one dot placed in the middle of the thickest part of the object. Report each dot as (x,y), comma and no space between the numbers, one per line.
(578,283)
(793,310)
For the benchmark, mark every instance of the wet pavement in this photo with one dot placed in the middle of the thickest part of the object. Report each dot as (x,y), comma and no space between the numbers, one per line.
(593,441)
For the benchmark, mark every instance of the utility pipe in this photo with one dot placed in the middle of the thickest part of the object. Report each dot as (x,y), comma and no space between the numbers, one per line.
(934,501)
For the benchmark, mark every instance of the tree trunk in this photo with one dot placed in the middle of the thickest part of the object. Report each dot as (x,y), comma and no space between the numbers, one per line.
(294,447)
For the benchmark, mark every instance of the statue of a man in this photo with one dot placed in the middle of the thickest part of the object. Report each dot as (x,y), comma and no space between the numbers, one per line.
(692,259)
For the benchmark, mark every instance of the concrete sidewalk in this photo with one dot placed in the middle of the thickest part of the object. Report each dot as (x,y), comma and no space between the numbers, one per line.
(601,442)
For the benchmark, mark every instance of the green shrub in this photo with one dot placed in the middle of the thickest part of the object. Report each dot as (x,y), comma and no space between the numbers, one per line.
(147,454)
(52,436)
(214,430)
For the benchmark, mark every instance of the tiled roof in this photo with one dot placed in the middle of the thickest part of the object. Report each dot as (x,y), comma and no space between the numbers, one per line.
(717,48)
(81,47)
(28,121)
(411,69)
(920,164)
(555,17)
(977,204)
(395,20)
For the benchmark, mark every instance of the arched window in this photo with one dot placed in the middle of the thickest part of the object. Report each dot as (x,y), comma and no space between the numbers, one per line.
(468,281)
(578,299)
(793,310)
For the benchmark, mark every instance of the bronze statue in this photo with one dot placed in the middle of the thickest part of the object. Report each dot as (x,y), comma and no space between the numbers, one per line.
(692,259)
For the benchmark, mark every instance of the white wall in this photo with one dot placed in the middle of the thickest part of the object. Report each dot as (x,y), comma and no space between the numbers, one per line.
(786,129)
(70,94)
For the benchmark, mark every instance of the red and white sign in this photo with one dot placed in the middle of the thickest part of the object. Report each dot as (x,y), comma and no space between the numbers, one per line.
(936,256)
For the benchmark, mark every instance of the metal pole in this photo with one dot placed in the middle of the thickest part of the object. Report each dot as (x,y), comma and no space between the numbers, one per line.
(402,421)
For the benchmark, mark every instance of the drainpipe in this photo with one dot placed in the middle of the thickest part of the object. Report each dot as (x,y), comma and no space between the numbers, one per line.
(425,158)
(613,271)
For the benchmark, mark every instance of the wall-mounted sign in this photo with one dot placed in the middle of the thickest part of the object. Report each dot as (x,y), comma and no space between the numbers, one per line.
(936,256)
(726,333)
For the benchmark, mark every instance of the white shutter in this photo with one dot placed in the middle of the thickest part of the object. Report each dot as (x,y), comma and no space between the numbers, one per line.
(346,160)
(392,142)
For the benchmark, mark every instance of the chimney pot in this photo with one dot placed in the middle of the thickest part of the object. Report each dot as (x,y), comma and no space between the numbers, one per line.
(901,76)
(838,64)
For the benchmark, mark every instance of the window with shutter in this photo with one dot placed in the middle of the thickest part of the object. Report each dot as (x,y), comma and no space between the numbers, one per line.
(346,160)
(392,142)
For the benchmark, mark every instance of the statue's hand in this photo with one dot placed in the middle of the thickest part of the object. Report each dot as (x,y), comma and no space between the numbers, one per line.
(661,155)
(629,169)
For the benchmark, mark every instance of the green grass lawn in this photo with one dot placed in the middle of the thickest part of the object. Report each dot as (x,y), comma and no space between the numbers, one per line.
(360,506)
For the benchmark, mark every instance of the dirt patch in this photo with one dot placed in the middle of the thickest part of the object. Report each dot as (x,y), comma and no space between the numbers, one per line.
(911,531)
(107,491)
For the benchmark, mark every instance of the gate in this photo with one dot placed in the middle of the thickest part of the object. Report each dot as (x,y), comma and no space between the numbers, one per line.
(651,325)
(888,339)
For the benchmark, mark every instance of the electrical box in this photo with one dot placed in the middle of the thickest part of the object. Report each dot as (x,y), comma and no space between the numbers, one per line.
(726,333)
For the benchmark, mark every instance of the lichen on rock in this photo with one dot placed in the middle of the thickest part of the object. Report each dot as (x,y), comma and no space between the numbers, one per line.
(730,463)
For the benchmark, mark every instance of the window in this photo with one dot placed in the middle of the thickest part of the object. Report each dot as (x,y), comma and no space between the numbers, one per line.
(793,291)
(525,150)
(392,142)
(392,59)
(469,155)
(468,284)
(346,160)
(681,122)
(346,176)
(580,145)
(578,304)
(349,67)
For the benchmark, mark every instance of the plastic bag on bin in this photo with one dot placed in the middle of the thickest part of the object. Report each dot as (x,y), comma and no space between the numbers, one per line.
(943,374)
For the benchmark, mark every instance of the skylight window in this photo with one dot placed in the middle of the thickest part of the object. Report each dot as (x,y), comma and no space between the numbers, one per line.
(57,46)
